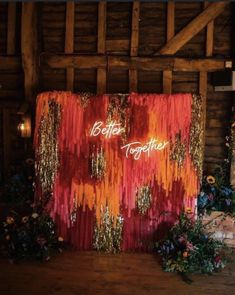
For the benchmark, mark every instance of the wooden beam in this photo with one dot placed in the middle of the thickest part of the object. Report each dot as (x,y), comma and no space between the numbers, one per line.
(133,74)
(69,42)
(29,49)
(170,32)
(194,27)
(166,63)
(203,86)
(209,35)
(135,28)
(167,82)
(11,28)
(159,63)
(101,43)
(62,61)
(7,142)
(167,75)
(203,74)
(10,63)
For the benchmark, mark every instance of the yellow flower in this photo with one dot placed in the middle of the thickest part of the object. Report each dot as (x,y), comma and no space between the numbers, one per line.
(188,210)
(210,179)
(25,219)
(8,237)
(10,220)
(185,254)
(35,215)
(60,239)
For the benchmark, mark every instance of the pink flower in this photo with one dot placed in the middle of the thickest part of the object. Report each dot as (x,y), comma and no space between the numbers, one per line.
(217,259)
(190,246)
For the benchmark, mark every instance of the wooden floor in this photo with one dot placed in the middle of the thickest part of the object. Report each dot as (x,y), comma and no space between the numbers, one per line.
(82,273)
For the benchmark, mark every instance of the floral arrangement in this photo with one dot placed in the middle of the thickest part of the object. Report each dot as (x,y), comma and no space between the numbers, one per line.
(216,194)
(29,236)
(189,249)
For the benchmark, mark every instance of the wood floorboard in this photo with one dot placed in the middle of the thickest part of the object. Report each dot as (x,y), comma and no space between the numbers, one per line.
(91,273)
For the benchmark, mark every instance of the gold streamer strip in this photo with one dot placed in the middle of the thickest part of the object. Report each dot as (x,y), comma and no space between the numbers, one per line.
(117,111)
(144,198)
(108,235)
(47,153)
(178,151)
(97,164)
(196,134)
(85,98)
(73,214)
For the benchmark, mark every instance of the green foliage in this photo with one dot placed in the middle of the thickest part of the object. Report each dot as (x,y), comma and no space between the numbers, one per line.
(188,249)
(30,236)
(216,193)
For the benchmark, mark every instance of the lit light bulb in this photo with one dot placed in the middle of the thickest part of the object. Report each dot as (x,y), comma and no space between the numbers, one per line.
(21,126)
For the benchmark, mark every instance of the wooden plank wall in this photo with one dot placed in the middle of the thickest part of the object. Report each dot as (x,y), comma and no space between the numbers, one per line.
(128,29)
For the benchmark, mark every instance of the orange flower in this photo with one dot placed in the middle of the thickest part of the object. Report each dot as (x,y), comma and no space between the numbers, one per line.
(188,211)
(185,254)
(10,220)
(60,239)
(210,179)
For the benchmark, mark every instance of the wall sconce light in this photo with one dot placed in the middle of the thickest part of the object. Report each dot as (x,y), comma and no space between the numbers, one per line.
(24,127)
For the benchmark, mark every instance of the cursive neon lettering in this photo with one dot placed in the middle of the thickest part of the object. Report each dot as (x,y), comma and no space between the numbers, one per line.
(108,130)
(136,148)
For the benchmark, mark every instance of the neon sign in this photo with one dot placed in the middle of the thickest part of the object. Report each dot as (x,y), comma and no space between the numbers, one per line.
(136,148)
(108,130)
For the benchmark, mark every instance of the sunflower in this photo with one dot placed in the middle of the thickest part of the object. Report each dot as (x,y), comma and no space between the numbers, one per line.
(210,179)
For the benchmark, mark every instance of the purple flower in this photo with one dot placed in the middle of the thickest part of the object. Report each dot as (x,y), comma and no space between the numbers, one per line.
(182,239)
(210,197)
(41,240)
(228,202)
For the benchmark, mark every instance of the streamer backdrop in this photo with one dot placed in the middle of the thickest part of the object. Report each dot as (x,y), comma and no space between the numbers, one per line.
(115,170)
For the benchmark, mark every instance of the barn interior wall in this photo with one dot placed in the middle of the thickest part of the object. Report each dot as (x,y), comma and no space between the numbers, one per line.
(152,36)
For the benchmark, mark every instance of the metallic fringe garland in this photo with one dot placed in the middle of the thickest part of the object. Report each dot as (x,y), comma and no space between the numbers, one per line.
(47,153)
(144,199)
(196,134)
(108,235)
(178,151)
(97,164)
(73,214)
(85,98)
(117,111)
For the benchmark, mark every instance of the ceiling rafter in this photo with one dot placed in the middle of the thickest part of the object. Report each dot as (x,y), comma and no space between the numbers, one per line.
(192,28)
